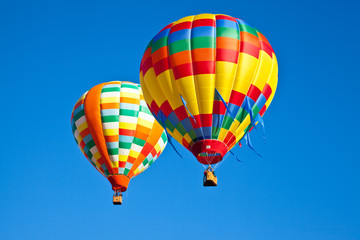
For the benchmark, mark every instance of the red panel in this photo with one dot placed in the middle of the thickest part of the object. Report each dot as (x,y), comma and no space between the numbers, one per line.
(206,120)
(227,55)
(225,17)
(263,110)
(85,132)
(229,136)
(254,92)
(183,70)
(181,26)
(185,143)
(236,98)
(219,108)
(161,66)
(249,48)
(166,108)
(181,113)
(204,67)
(203,23)
(267,91)
(154,108)
(266,48)
(147,65)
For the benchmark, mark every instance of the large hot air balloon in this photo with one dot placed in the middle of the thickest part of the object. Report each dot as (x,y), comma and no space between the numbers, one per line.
(209,79)
(115,130)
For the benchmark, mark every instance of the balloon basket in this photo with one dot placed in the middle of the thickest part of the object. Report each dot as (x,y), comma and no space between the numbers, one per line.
(210,180)
(117,198)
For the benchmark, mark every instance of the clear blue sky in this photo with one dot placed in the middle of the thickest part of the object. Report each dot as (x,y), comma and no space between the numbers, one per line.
(305,187)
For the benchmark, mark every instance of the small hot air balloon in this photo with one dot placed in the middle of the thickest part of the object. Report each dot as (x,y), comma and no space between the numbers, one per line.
(115,130)
(209,79)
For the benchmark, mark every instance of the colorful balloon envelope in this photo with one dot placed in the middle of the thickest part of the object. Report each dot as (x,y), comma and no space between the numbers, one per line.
(209,79)
(115,130)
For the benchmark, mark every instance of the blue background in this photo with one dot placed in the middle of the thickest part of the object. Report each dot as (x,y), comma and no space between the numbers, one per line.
(305,187)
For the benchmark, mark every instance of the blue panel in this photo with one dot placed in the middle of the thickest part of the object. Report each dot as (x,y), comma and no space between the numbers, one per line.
(179,35)
(199,133)
(161,35)
(260,102)
(226,23)
(187,124)
(207,132)
(173,119)
(203,32)
(87,138)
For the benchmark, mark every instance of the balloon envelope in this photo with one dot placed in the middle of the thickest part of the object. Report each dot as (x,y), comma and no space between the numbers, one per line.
(115,130)
(208,78)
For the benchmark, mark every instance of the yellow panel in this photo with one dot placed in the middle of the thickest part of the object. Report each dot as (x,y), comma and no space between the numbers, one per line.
(145,123)
(204,16)
(222,133)
(123,158)
(129,126)
(185,19)
(114,164)
(273,80)
(111,132)
(245,74)
(82,127)
(225,75)
(110,100)
(147,96)
(205,89)
(128,95)
(263,71)
(97,155)
(153,87)
(133,153)
(187,90)
(168,87)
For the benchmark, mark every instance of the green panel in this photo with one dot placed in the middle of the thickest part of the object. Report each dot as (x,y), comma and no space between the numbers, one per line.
(247,28)
(113,118)
(125,145)
(90,144)
(215,132)
(169,125)
(162,42)
(179,46)
(126,85)
(227,32)
(227,122)
(203,42)
(255,110)
(163,137)
(139,141)
(111,89)
(126,171)
(181,129)
(113,151)
(241,115)
(192,134)
(129,113)
(79,115)
(145,110)
(145,162)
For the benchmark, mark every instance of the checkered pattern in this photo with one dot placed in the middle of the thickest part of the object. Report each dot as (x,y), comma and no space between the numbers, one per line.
(133,138)
(198,56)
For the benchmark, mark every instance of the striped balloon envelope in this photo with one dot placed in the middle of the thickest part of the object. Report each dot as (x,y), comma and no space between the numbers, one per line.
(116,132)
(209,79)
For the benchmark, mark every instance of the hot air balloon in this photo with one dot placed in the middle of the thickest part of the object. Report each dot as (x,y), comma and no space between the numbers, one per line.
(209,79)
(116,132)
